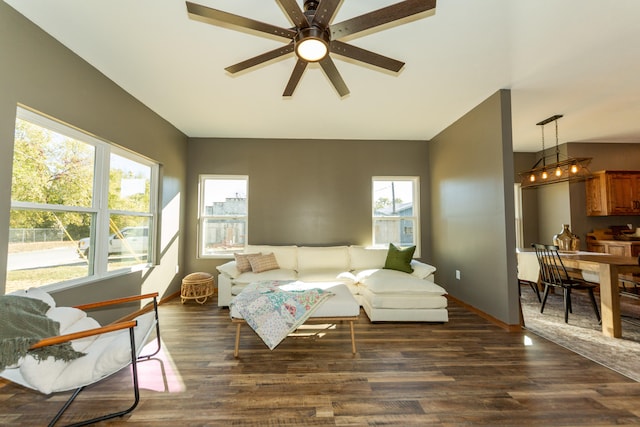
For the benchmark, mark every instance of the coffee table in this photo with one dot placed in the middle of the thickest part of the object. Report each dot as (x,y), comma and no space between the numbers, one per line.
(340,307)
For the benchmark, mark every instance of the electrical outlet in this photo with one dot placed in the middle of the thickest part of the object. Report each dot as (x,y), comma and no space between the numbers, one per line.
(458,274)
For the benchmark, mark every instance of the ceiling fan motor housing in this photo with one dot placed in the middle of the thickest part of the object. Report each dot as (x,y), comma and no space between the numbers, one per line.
(311,5)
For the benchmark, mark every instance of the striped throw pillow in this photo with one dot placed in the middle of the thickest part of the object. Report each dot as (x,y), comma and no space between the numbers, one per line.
(264,262)
(242,261)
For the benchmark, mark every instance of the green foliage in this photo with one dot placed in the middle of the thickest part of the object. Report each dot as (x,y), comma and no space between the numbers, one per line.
(49,168)
(53,169)
(383,202)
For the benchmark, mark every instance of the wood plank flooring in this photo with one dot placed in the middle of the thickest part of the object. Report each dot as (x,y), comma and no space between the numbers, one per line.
(465,372)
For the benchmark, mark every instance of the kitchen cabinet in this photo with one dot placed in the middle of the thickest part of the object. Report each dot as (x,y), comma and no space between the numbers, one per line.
(613,193)
(615,247)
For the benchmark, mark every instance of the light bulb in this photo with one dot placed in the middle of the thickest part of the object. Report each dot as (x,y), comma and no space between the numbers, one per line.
(558,172)
(532,178)
(545,175)
(574,168)
(312,50)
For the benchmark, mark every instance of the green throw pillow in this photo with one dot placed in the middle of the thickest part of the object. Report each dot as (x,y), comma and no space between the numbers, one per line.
(399,258)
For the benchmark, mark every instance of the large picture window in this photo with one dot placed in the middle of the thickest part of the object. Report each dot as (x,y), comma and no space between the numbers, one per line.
(223,214)
(80,208)
(396,212)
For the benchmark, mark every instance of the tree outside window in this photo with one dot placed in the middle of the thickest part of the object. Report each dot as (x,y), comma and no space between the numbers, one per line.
(57,191)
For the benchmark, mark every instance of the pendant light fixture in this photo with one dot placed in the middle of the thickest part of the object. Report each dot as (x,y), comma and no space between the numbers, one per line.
(542,173)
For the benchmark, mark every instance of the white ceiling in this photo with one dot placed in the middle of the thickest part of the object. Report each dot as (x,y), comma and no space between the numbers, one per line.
(579,58)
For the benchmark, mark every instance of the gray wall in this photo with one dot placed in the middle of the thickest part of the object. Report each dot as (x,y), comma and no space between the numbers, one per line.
(473,229)
(305,192)
(42,74)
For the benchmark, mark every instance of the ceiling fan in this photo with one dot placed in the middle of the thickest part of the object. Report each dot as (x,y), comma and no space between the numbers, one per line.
(313,36)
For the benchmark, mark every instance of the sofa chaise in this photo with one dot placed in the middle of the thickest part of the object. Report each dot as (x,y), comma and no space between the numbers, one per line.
(384,294)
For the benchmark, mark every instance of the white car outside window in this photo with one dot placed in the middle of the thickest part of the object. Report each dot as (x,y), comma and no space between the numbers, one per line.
(129,241)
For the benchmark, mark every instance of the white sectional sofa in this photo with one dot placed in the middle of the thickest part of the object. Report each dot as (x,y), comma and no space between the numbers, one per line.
(385,295)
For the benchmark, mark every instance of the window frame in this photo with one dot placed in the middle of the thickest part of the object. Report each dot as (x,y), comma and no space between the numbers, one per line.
(519,223)
(202,217)
(415,180)
(99,209)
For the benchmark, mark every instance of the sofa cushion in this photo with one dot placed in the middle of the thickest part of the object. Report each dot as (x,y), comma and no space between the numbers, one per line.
(287,256)
(264,262)
(393,281)
(326,275)
(243,261)
(364,258)
(330,257)
(404,301)
(279,274)
(399,258)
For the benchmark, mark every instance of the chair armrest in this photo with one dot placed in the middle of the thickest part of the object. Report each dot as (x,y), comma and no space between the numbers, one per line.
(82,334)
(122,300)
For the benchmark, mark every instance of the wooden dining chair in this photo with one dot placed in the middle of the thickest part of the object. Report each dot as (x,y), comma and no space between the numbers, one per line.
(554,274)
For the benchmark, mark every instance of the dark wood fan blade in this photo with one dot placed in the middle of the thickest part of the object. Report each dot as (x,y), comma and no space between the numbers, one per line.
(220,18)
(334,76)
(380,17)
(298,70)
(363,55)
(295,14)
(325,12)
(257,60)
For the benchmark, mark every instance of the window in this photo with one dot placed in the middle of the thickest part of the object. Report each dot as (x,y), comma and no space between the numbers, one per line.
(80,208)
(223,208)
(396,212)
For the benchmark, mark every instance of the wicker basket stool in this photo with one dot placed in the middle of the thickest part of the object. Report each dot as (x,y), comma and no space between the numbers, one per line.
(197,286)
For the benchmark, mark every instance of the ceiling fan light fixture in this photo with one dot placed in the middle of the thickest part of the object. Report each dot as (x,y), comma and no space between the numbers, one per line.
(312,44)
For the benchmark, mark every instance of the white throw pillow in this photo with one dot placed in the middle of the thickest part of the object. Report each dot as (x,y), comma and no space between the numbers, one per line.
(422,270)
(36,293)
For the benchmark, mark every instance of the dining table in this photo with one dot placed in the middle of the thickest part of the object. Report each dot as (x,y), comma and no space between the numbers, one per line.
(596,267)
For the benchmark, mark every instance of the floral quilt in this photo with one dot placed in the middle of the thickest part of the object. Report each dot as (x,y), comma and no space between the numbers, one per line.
(273,312)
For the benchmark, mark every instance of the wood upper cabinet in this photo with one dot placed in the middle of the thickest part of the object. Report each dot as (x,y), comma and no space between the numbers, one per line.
(613,193)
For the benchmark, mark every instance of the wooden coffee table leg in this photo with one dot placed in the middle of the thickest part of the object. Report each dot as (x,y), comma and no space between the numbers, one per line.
(353,338)
(236,350)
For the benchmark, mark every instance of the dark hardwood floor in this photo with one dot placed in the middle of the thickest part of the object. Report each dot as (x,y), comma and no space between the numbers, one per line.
(465,372)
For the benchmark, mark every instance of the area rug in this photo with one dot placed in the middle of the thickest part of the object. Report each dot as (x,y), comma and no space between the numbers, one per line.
(583,334)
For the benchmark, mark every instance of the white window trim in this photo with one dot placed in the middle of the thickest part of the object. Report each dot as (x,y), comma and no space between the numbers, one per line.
(416,208)
(517,189)
(202,217)
(103,149)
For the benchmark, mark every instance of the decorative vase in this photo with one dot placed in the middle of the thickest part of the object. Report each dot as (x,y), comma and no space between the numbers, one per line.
(566,240)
